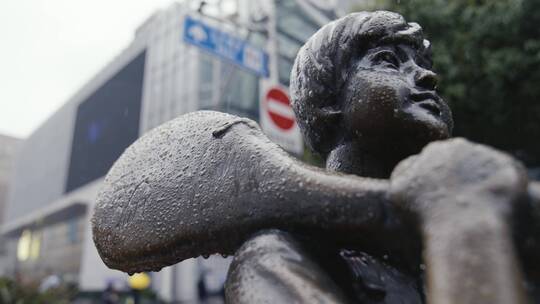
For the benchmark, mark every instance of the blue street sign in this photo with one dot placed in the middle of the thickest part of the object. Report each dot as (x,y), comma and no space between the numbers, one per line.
(226,46)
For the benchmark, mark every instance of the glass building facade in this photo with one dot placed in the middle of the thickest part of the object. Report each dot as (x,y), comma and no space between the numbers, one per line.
(227,87)
(294,27)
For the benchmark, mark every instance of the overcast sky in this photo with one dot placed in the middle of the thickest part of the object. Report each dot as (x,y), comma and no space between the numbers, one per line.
(50,48)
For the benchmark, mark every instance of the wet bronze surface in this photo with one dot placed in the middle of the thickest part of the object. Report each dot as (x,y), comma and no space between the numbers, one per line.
(389,205)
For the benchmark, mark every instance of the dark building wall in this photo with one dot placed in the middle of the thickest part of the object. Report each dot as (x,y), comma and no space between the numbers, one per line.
(107,122)
(64,152)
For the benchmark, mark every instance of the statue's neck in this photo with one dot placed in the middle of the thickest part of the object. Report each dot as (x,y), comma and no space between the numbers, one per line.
(352,159)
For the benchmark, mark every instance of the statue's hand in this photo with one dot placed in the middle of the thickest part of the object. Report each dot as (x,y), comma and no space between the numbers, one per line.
(457,175)
(463,194)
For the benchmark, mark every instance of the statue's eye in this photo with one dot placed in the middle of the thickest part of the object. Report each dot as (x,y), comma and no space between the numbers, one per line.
(386,58)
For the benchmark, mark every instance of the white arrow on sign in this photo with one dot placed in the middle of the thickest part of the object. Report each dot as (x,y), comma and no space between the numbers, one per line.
(198,33)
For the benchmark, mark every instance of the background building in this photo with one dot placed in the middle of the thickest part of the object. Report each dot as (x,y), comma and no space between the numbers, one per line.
(167,70)
(8,149)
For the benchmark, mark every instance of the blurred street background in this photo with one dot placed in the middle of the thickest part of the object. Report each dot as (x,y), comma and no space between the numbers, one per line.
(76,91)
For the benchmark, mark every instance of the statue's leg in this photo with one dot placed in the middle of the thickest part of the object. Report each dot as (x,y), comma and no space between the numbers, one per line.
(274,268)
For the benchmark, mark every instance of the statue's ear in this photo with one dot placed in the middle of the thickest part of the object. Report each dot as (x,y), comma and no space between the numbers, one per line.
(331,113)
(319,124)
(329,128)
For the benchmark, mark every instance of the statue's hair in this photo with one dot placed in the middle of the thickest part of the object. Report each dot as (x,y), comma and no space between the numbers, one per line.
(322,65)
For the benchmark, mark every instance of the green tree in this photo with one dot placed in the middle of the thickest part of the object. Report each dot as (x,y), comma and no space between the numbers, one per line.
(487,54)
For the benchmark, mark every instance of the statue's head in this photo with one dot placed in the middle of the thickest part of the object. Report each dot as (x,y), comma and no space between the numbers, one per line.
(367,78)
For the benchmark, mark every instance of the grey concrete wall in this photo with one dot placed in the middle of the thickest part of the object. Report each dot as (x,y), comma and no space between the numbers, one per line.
(41,165)
(8,150)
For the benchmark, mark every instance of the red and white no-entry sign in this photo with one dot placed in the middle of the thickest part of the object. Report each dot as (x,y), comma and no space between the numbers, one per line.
(278,107)
(277,117)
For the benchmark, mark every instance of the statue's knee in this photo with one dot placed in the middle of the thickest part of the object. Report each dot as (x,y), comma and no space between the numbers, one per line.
(266,244)
(270,249)
(272,267)
(256,267)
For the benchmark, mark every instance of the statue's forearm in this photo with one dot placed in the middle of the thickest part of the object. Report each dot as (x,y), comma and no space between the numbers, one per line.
(292,196)
(180,192)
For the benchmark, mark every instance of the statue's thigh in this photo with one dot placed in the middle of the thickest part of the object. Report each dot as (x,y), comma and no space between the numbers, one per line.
(272,267)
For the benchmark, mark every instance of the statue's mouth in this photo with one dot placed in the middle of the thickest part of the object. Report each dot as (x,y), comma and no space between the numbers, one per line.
(431,106)
(428,100)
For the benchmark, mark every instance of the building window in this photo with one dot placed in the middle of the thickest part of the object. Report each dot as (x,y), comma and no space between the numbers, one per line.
(240,92)
(73,231)
(206,80)
(293,21)
(29,245)
(294,27)
(284,70)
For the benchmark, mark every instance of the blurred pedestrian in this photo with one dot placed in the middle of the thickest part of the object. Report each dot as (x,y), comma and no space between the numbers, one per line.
(110,295)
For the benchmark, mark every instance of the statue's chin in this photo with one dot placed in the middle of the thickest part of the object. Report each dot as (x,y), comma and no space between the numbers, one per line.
(412,139)
(429,128)
(425,125)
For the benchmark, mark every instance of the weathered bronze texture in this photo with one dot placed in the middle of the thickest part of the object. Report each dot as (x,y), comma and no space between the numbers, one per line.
(361,231)
(206,181)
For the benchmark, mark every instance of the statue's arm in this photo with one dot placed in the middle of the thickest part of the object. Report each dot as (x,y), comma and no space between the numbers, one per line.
(466,196)
(206,181)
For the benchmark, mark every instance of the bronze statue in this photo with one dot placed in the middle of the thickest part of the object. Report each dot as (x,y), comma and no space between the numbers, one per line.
(364,95)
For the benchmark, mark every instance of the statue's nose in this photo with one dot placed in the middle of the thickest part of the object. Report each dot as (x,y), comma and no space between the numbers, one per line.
(426,79)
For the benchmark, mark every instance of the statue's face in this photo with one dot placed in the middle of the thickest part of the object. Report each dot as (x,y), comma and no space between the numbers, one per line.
(390,96)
